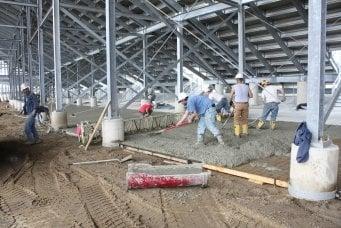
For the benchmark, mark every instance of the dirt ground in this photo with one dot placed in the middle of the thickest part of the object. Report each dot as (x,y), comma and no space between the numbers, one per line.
(39,188)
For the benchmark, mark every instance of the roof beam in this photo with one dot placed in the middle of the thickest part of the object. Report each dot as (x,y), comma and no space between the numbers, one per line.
(264,20)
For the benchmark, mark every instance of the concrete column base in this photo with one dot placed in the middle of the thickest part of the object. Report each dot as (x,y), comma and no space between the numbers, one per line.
(112,132)
(316,178)
(79,101)
(254,89)
(93,102)
(58,120)
(179,108)
(67,100)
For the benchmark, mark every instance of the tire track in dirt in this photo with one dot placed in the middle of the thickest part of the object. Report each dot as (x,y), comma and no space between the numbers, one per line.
(106,211)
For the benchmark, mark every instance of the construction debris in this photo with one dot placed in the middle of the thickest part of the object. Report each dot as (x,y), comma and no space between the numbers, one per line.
(165,176)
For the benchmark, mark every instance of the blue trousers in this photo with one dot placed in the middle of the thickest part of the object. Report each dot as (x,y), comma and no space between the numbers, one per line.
(30,128)
(208,121)
(271,107)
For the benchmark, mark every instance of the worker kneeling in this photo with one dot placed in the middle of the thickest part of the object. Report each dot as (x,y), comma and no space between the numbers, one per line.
(146,108)
(240,94)
(271,103)
(200,106)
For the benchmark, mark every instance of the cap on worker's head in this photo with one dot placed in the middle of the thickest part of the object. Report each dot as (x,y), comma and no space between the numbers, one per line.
(23,86)
(264,82)
(182,96)
(239,76)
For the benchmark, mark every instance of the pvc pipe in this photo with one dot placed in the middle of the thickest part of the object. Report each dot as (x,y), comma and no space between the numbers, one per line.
(67,100)
(254,89)
(315,179)
(79,101)
(93,102)
(58,120)
(301,92)
(112,132)
(219,88)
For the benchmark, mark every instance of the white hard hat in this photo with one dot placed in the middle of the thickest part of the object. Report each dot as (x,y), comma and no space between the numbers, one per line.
(182,96)
(23,86)
(239,75)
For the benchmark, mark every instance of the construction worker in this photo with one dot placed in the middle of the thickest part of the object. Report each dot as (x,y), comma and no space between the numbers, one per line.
(240,95)
(271,103)
(200,106)
(146,108)
(221,102)
(30,108)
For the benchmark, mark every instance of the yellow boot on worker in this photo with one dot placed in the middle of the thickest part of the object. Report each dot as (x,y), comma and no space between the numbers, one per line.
(245,129)
(273,125)
(237,130)
(260,124)
(219,118)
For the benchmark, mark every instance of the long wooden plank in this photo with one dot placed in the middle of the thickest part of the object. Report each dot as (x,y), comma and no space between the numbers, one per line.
(99,121)
(253,177)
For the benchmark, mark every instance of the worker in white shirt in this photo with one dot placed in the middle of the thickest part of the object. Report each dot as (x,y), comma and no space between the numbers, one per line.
(240,94)
(271,103)
(220,101)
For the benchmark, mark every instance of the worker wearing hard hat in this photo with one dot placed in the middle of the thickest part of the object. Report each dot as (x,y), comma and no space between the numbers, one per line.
(240,95)
(200,106)
(30,108)
(271,103)
(221,103)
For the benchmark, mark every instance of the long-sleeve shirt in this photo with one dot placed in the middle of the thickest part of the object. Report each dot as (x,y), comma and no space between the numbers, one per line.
(30,103)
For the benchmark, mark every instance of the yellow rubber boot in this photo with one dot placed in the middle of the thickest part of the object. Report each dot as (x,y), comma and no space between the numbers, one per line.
(272,125)
(237,130)
(260,124)
(218,117)
(245,129)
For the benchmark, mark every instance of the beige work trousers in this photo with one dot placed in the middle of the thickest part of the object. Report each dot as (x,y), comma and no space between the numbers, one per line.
(241,113)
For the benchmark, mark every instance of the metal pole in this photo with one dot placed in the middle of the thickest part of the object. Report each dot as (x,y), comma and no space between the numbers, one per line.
(41,54)
(23,57)
(241,38)
(92,78)
(144,53)
(180,64)
(316,67)
(57,56)
(77,74)
(29,47)
(110,29)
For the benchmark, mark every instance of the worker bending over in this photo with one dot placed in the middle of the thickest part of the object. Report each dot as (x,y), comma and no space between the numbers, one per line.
(146,108)
(271,103)
(240,95)
(200,106)
(30,108)
(221,102)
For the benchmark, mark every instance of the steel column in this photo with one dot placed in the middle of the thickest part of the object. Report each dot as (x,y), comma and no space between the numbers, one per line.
(57,56)
(93,70)
(29,48)
(110,31)
(180,65)
(23,57)
(41,54)
(144,60)
(316,65)
(241,38)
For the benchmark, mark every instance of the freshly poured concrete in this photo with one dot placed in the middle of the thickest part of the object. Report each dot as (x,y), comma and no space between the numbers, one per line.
(180,142)
(76,114)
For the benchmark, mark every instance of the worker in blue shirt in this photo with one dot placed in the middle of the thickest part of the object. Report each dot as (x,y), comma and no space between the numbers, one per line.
(30,108)
(200,106)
